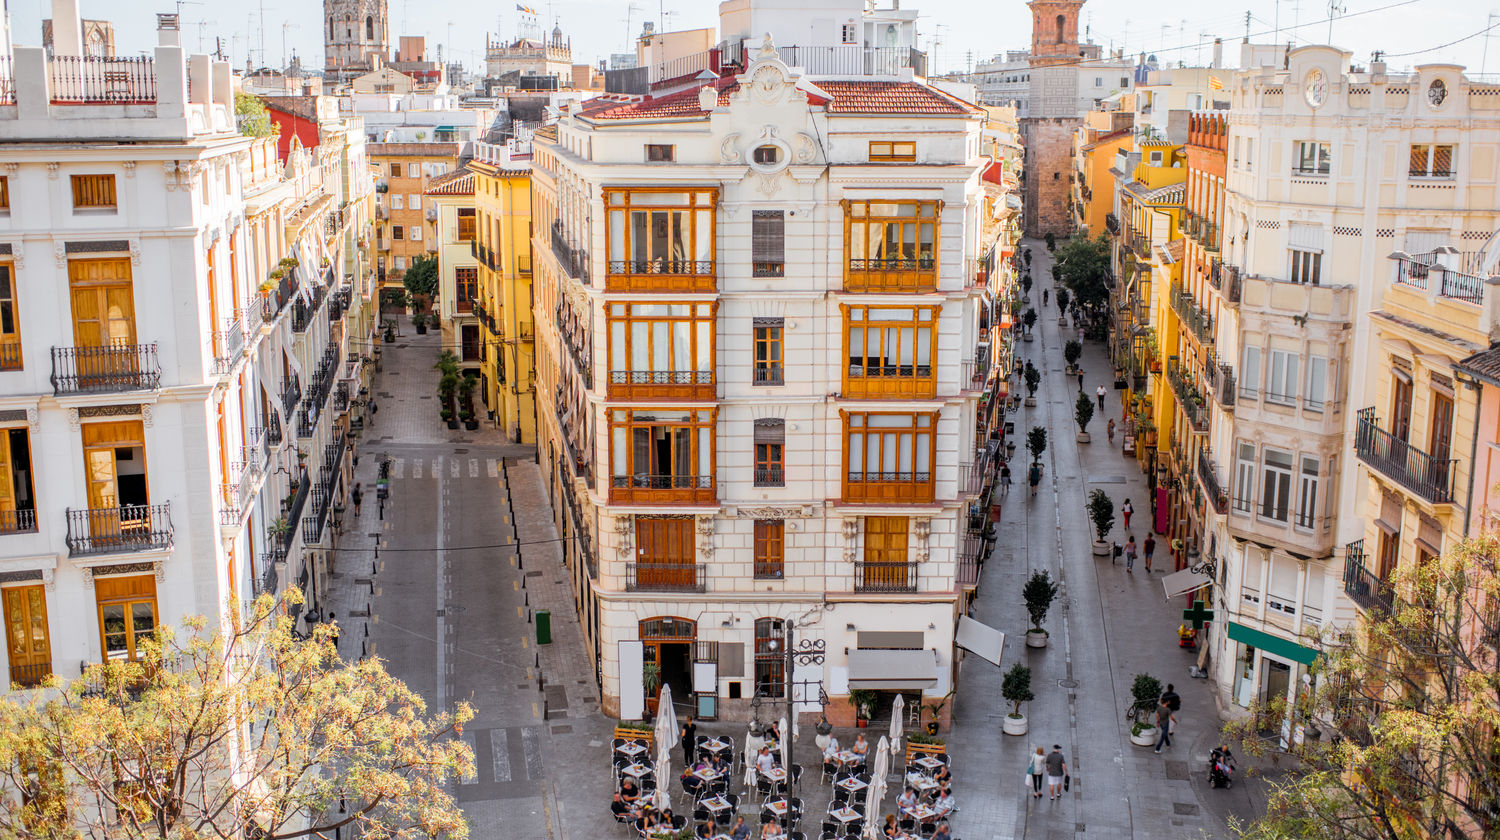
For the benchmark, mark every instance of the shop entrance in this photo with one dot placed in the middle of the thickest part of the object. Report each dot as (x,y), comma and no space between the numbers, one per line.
(668,644)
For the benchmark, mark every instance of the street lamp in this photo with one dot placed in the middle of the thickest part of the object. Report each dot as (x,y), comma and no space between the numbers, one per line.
(792,654)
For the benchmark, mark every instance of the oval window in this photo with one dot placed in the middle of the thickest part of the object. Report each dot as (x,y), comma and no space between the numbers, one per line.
(767,155)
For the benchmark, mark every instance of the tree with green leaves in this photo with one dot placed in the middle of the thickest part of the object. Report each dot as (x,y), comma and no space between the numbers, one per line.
(1028,318)
(1072,350)
(254,120)
(1399,733)
(1083,269)
(1036,443)
(421,281)
(1033,379)
(1101,512)
(249,730)
(1083,411)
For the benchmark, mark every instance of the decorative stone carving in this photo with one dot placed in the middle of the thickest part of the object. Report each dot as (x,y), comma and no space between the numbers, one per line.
(922,529)
(12,168)
(52,171)
(34,419)
(705,527)
(766,84)
(73,418)
(806,148)
(49,580)
(18,255)
(129,168)
(121,410)
(851,537)
(729,151)
(624,531)
(770,184)
(147,419)
(767,48)
(135,252)
(775,513)
(60,253)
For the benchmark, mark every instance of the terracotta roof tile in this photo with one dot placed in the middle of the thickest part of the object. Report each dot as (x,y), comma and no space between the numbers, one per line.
(1484,364)
(457,182)
(843,97)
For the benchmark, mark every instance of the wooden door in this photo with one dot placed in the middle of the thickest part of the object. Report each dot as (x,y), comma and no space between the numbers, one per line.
(7,482)
(26,634)
(667,555)
(103,302)
(109,516)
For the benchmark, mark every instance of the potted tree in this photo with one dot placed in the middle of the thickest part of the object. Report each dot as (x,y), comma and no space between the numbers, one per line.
(935,712)
(1102,514)
(1028,319)
(390,331)
(419,320)
(1038,593)
(1033,379)
(863,701)
(1026,257)
(1036,443)
(1026,286)
(1083,412)
(1051,242)
(466,403)
(1016,688)
(447,391)
(278,530)
(1072,351)
(651,681)
(1062,307)
(1145,691)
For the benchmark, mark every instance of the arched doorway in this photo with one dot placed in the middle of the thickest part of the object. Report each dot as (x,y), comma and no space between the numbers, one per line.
(668,642)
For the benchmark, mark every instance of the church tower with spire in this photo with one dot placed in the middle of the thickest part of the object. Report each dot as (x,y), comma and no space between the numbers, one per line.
(1047,131)
(356,37)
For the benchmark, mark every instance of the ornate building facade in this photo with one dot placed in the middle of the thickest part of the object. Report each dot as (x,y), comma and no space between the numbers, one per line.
(356,37)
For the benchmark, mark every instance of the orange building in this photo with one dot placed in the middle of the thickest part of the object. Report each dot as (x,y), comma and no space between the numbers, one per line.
(405,226)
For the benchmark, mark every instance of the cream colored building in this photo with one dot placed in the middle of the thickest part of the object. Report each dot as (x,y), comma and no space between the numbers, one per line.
(738,459)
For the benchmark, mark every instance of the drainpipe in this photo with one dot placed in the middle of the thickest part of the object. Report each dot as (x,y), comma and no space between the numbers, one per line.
(1478,388)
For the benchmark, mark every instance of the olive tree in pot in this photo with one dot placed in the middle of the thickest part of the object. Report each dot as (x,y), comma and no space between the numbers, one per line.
(1072,351)
(1016,688)
(1026,286)
(1083,412)
(1051,242)
(1036,443)
(1033,379)
(1062,307)
(1038,593)
(1028,319)
(1102,514)
(466,402)
(1144,694)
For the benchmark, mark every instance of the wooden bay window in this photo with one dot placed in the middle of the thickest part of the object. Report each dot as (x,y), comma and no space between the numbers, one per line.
(890,351)
(662,456)
(666,555)
(661,240)
(661,351)
(891,245)
(26,634)
(889,457)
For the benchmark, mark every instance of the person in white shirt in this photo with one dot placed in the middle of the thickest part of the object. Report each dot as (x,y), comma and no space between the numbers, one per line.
(861,746)
(832,749)
(907,800)
(944,802)
(765,762)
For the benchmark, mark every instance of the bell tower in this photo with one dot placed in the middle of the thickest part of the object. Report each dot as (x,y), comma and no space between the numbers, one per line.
(356,37)
(1054,31)
(1053,114)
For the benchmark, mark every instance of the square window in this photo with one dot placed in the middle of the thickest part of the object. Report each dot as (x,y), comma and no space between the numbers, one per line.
(94,191)
(660,153)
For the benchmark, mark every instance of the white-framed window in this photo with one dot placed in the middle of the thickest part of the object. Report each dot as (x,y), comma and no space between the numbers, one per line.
(400,263)
(1275,485)
(1244,477)
(849,34)
(398,202)
(1281,379)
(416,202)
(1307,493)
(1250,373)
(1311,158)
(416,233)
(1237,143)
(1307,266)
(1317,382)
(1249,154)
(1098,81)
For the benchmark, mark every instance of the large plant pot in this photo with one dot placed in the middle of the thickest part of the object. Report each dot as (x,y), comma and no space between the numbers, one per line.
(861,722)
(1031,402)
(1146,738)
(1083,437)
(1014,725)
(471,425)
(1028,337)
(421,329)
(1062,322)
(1102,548)
(1036,639)
(453,424)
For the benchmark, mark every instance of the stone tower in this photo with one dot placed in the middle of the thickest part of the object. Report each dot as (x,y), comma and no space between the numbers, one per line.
(356,37)
(1048,131)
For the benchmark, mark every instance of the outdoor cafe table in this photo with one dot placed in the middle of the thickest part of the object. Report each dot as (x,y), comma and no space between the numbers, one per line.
(637,770)
(921,782)
(922,812)
(716,804)
(852,784)
(631,748)
(845,814)
(776,774)
(715,745)
(928,762)
(777,807)
(708,774)
(845,757)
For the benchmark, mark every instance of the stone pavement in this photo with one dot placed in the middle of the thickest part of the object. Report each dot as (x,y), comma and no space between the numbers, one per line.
(1106,626)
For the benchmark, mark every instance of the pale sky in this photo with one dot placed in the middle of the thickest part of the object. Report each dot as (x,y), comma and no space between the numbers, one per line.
(954,32)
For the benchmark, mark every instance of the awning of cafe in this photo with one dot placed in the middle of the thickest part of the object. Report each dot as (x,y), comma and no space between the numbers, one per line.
(892,669)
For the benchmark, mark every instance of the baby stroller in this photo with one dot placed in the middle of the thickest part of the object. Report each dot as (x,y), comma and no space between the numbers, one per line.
(1221,768)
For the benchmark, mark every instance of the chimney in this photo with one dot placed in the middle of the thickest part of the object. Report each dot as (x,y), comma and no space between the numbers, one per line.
(167,32)
(67,28)
(1218,54)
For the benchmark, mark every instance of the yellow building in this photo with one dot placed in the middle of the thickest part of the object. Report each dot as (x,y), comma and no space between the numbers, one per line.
(503,306)
(1096,144)
(404,228)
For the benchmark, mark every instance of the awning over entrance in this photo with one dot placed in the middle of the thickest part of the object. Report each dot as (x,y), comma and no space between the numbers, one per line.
(1274,645)
(895,669)
(1179,583)
(980,638)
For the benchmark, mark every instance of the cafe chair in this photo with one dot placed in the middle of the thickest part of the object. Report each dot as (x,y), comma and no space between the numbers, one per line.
(830,770)
(829,835)
(856,828)
(700,815)
(796,835)
(929,829)
(796,773)
(763,786)
(840,795)
(907,824)
(648,784)
(679,822)
(767,817)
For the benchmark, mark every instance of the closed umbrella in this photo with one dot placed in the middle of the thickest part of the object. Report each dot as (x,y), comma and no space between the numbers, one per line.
(877,788)
(898,710)
(786,748)
(666,736)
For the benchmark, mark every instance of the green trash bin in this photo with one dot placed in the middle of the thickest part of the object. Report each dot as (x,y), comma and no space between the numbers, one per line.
(544,627)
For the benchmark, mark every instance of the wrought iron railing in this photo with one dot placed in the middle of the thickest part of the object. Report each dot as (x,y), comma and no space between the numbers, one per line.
(1427,476)
(661,377)
(30,675)
(644,481)
(113,367)
(573,259)
(96,79)
(1220,381)
(885,577)
(663,577)
(17,521)
(770,477)
(113,530)
(318,390)
(1364,587)
(767,375)
(693,268)
(1195,317)
(1188,397)
(1216,495)
(291,394)
(229,344)
(1225,279)
(928,263)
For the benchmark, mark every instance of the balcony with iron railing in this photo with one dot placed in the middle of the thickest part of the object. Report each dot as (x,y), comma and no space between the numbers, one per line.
(291,394)
(267,582)
(649,489)
(881,576)
(572,258)
(767,374)
(20,521)
(319,387)
(110,368)
(669,385)
(1195,317)
(1215,492)
(646,576)
(1226,280)
(1188,396)
(1140,244)
(661,275)
(1367,590)
(770,477)
(1219,379)
(303,311)
(119,530)
(1421,473)
(229,344)
(30,675)
(582,467)
(1420,270)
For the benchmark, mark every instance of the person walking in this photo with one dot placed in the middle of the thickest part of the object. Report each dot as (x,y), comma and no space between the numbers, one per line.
(689,741)
(1080,380)
(1036,767)
(1125,510)
(1171,698)
(1057,768)
(1045,292)
(1111,430)
(333,630)
(1165,720)
(1005,476)
(1149,547)
(357,495)
(1130,553)
(1099,392)
(1034,477)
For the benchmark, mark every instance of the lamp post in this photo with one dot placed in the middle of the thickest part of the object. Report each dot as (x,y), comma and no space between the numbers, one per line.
(792,654)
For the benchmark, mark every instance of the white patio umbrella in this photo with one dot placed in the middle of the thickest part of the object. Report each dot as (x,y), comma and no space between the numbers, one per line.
(666,736)
(786,749)
(898,711)
(877,788)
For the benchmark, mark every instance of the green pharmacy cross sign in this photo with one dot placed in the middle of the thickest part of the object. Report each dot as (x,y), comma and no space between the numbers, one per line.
(1198,615)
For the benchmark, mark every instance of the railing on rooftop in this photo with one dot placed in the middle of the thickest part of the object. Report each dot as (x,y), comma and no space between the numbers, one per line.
(95,79)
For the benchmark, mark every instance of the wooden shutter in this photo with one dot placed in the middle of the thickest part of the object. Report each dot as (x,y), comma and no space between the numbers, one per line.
(767,236)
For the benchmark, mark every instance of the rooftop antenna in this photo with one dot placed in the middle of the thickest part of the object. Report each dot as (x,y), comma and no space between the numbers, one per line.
(201,24)
(629,15)
(1489,24)
(285,25)
(1335,8)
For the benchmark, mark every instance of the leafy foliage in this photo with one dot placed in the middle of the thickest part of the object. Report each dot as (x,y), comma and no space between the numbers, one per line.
(1015,686)
(1029,318)
(1036,443)
(240,732)
(1408,706)
(421,280)
(1083,269)
(1145,691)
(1062,300)
(1101,513)
(255,121)
(1038,593)
(1083,411)
(1073,350)
(1051,242)
(1033,378)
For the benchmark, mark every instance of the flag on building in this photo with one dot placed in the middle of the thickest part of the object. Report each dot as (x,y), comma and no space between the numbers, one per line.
(525,10)
(1214,83)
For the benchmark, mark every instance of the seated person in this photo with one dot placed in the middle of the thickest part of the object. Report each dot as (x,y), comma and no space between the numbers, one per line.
(832,749)
(719,763)
(621,809)
(942,775)
(942,832)
(741,830)
(628,791)
(771,830)
(765,762)
(890,830)
(944,802)
(648,820)
(861,746)
(773,733)
(703,832)
(907,800)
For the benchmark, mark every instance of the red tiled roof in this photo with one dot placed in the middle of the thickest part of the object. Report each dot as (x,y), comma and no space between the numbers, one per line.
(457,182)
(843,97)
